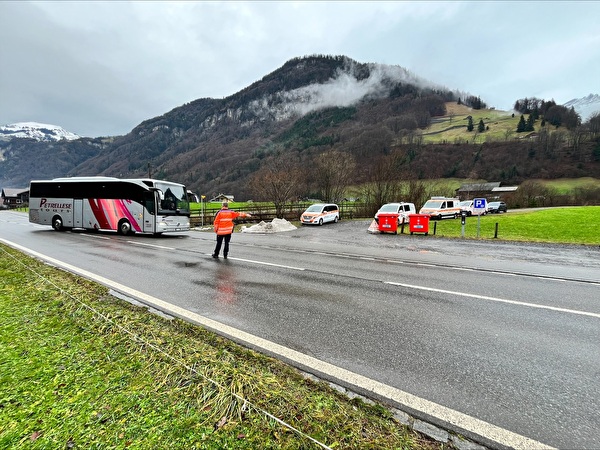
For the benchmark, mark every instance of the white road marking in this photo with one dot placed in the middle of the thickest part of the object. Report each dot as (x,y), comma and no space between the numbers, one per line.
(150,245)
(265,263)
(462,421)
(496,299)
(93,236)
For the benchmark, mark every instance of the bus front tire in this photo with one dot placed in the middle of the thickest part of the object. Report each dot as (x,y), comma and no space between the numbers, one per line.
(124,227)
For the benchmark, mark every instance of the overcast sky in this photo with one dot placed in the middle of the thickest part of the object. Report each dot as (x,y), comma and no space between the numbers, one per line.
(100,68)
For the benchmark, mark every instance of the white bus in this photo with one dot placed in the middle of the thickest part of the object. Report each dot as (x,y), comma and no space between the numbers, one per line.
(103,203)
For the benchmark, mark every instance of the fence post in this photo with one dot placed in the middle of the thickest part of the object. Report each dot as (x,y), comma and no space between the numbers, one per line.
(496,232)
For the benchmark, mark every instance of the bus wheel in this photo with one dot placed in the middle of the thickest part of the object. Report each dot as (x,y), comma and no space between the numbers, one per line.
(57,223)
(124,227)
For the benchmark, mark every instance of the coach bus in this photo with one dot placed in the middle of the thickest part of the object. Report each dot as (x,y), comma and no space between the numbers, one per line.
(103,203)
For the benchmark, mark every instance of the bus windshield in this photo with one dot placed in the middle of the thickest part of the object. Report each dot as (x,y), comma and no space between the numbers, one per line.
(173,197)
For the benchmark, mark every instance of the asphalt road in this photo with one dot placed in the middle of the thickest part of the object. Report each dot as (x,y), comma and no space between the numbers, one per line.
(497,339)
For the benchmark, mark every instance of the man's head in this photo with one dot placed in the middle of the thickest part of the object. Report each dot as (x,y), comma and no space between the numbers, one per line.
(225,205)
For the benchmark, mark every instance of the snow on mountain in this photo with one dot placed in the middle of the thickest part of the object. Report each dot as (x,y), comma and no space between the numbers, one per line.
(37,131)
(585,106)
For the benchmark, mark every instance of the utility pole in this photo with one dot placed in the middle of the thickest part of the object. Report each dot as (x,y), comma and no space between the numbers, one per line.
(149,171)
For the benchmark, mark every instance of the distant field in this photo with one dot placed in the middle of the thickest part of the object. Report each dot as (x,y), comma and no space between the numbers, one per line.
(568,185)
(453,126)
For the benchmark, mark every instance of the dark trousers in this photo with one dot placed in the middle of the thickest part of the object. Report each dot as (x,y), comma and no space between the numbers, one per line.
(220,239)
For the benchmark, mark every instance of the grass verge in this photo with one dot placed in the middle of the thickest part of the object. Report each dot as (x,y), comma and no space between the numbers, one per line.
(80,368)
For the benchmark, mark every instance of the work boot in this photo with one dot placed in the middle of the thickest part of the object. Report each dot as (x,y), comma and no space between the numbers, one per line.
(225,255)
(215,255)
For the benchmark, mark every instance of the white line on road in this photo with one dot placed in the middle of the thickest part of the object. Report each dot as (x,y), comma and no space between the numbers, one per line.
(496,299)
(266,263)
(454,418)
(93,236)
(150,245)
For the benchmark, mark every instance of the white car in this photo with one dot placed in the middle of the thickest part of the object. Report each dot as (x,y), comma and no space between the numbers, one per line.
(467,206)
(320,213)
(403,210)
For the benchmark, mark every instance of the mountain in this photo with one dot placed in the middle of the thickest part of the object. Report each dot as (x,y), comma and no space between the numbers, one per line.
(303,108)
(35,131)
(585,106)
(310,110)
(26,159)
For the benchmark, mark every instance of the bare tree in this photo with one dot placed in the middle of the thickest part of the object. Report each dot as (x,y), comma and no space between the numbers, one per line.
(279,181)
(334,171)
(384,181)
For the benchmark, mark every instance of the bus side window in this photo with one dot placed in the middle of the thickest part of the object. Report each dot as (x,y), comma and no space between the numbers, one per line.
(149,202)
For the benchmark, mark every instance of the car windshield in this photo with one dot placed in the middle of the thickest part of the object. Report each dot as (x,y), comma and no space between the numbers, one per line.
(315,208)
(390,207)
(494,204)
(467,203)
(436,204)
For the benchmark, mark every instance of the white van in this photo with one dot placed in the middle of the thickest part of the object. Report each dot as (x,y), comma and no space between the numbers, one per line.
(320,213)
(440,207)
(403,209)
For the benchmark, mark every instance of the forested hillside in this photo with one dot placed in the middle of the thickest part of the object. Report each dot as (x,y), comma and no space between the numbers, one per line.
(321,122)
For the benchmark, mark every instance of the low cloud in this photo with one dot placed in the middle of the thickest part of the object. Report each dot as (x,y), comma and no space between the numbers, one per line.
(343,90)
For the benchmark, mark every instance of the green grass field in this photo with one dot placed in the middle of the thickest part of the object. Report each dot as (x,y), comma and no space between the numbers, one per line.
(568,225)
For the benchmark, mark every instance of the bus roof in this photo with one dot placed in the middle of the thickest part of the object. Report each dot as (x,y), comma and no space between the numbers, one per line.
(146,181)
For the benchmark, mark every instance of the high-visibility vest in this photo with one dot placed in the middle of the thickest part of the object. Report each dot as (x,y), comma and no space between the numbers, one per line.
(223,223)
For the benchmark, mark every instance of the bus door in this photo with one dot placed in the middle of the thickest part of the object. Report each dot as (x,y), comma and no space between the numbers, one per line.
(78,213)
(150,199)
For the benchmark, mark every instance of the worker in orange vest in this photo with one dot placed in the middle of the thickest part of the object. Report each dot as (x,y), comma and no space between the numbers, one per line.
(224,227)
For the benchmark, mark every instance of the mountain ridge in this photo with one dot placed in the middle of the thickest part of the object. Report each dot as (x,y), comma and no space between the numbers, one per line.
(36,131)
(307,107)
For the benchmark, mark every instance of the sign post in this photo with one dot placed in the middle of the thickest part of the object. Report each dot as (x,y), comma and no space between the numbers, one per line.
(479,208)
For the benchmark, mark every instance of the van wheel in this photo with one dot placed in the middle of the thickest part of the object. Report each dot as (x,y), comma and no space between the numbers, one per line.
(335,219)
(124,227)
(320,221)
(57,223)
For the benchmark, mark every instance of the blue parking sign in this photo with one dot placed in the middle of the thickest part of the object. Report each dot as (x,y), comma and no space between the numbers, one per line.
(479,203)
(479,206)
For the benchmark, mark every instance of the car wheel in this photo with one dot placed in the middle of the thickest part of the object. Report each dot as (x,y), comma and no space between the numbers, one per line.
(320,221)
(335,219)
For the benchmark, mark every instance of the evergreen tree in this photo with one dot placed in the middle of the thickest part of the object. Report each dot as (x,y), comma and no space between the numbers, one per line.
(481,126)
(522,125)
(470,124)
(529,123)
